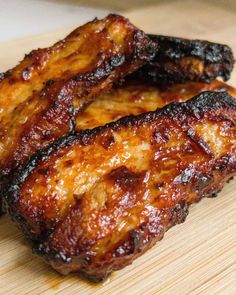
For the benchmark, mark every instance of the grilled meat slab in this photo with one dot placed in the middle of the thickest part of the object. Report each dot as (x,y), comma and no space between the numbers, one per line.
(40,97)
(180,60)
(136,98)
(95,201)
(57,82)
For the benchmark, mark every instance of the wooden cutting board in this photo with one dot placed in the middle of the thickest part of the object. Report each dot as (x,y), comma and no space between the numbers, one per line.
(197,257)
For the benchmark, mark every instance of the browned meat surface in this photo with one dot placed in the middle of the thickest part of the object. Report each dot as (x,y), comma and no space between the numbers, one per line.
(94,201)
(180,60)
(40,97)
(136,98)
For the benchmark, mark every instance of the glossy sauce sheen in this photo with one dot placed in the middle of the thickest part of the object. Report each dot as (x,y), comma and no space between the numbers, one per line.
(40,96)
(135,98)
(95,201)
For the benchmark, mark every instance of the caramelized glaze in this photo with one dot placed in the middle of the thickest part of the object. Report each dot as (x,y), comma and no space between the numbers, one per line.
(95,201)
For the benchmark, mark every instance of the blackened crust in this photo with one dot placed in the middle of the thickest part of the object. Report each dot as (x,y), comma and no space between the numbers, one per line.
(180,60)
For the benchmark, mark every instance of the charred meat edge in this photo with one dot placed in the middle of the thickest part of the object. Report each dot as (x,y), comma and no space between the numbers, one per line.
(180,60)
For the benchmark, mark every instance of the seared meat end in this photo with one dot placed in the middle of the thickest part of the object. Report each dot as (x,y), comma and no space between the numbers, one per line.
(181,60)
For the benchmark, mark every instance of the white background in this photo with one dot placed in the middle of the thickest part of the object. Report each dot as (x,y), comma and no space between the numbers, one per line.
(20,18)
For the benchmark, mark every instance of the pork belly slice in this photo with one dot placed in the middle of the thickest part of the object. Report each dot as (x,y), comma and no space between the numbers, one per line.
(134,98)
(41,96)
(94,201)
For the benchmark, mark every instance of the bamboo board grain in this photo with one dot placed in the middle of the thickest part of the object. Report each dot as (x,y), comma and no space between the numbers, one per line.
(197,257)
